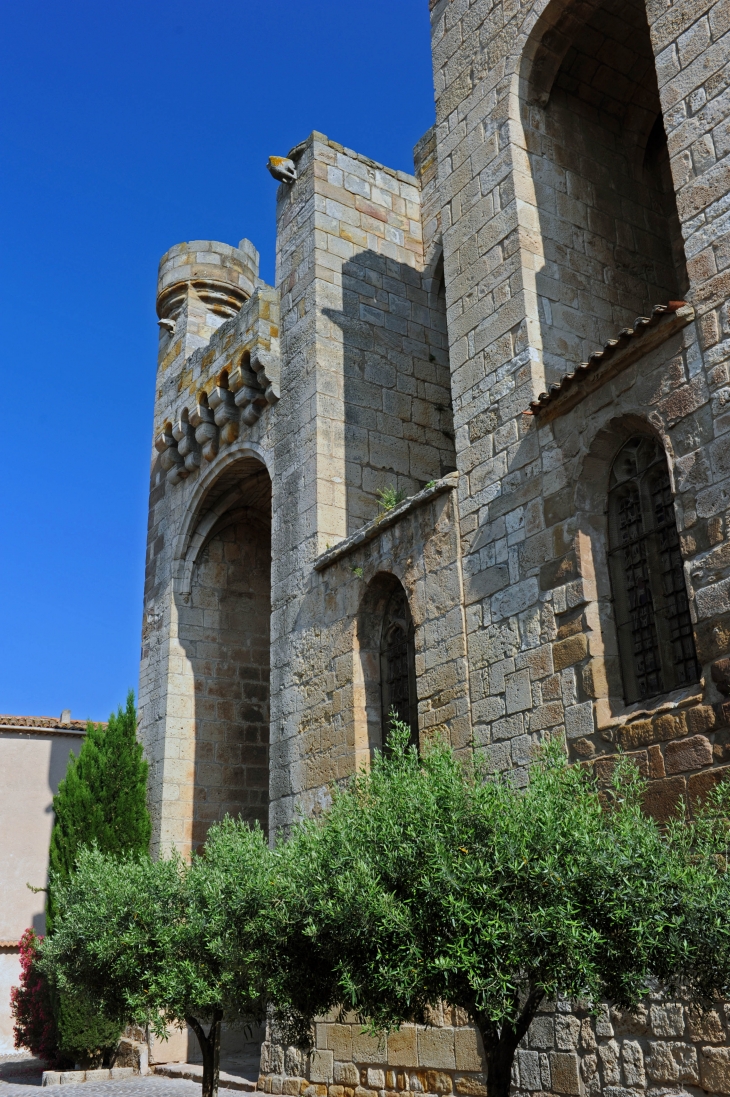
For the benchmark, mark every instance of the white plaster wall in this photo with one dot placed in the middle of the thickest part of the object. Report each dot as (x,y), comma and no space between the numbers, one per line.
(31,768)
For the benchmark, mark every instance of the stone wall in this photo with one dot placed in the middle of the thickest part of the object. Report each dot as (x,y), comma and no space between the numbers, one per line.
(664,1048)
(224,630)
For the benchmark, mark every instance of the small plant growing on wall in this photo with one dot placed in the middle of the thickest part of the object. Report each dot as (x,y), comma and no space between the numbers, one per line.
(390,497)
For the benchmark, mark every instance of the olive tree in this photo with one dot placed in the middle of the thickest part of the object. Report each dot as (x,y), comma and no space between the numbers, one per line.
(427,881)
(168,942)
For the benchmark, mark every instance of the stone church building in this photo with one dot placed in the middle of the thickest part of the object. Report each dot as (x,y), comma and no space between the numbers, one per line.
(528,341)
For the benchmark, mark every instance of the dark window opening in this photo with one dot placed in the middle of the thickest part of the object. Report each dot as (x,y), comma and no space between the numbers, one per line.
(398,666)
(655,638)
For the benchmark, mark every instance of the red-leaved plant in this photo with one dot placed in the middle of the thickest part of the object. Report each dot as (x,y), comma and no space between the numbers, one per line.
(32,1007)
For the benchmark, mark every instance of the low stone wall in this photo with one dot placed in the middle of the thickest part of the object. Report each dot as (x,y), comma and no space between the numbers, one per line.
(664,1047)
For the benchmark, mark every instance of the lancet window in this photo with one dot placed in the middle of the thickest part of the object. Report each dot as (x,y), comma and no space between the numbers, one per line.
(398,665)
(655,638)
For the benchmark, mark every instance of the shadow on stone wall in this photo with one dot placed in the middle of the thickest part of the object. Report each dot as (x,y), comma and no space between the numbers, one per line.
(396,386)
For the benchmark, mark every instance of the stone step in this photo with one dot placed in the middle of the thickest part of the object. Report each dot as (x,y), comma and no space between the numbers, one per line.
(194,1072)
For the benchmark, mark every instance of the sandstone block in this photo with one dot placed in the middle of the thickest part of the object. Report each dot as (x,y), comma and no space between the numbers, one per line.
(687,754)
(436,1048)
(376,1078)
(467,1049)
(339,1041)
(699,719)
(471,1085)
(369,1049)
(667,1019)
(568,652)
(402,1047)
(662,798)
(564,1072)
(321,1066)
(347,1074)
(715,1069)
(438,1081)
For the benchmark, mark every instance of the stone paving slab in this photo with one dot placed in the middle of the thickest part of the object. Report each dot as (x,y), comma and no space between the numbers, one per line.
(149,1086)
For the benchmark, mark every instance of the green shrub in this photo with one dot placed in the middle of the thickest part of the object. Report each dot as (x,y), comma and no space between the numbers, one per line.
(85,1035)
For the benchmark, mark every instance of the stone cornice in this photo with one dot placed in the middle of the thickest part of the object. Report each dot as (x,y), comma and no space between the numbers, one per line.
(385,520)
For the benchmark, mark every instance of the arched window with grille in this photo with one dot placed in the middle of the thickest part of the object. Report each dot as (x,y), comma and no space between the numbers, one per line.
(398,665)
(655,639)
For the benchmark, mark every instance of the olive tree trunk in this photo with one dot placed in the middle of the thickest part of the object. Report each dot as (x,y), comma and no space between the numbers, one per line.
(500,1044)
(210,1048)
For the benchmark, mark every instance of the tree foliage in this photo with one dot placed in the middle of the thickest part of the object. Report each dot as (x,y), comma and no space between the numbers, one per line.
(168,942)
(101,799)
(426,882)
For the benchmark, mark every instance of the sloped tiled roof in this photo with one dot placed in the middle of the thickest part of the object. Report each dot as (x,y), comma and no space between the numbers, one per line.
(625,337)
(42,724)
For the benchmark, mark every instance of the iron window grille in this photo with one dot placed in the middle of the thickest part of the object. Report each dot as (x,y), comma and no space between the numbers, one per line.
(655,638)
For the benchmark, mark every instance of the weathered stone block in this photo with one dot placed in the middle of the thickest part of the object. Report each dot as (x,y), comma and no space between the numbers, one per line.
(672,1062)
(339,1041)
(715,1069)
(667,1019)
(662,798)
(436,1048)
(369,1049)
(438,1081)
(688,754)
(632,1059)
(528,1066)
(346,1074)
(706,1027)
(569,651)
(471,1085)
(467,1049)
(321,1066)
(564,1072)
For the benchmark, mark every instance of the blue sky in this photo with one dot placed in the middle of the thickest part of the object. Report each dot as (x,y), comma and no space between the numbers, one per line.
(126,129)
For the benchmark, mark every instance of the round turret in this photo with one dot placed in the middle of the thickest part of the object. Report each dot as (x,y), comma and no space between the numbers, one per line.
(222,276)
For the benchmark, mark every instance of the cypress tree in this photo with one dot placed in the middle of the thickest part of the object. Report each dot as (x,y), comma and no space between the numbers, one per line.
(102,798)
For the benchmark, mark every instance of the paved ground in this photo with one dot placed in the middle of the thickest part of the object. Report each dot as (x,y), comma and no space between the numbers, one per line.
(149,1086)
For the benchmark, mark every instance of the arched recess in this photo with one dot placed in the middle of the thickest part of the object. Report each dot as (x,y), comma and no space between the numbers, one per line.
(223,594)
(385,650)
(596,506)
(610,234)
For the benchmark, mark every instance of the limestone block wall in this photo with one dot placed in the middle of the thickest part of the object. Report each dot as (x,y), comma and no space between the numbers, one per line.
(193,673)
(664,1048)
(419,545)
(225,632)
(364,405)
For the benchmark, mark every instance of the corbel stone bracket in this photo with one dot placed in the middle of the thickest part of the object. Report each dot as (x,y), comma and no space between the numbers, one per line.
(206,431)
(255,382)
(385,520)
(187,446)
(171,459)
(225,413)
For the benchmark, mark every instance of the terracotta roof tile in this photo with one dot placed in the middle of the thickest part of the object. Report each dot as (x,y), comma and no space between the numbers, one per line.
(624,337)
(41,723)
